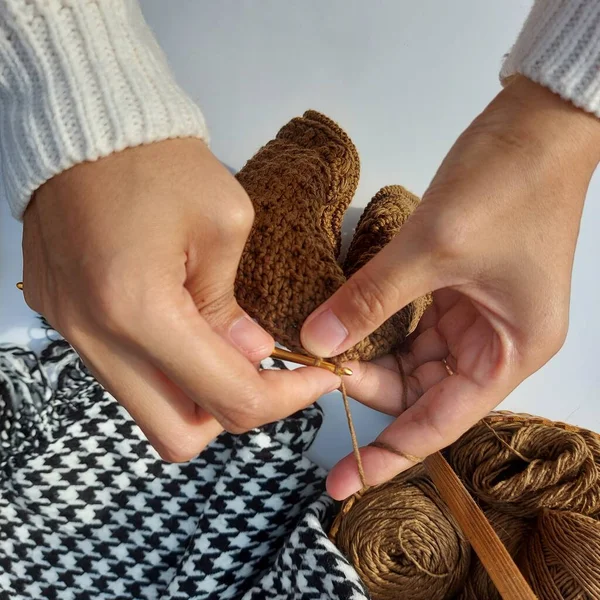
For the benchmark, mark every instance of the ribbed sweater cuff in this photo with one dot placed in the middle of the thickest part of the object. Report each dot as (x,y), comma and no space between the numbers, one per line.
(559,48)
(79,80)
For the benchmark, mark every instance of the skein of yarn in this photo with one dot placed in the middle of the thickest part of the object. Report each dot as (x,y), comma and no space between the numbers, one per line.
(513,533)
(562,558)
(538,483)
(523,464)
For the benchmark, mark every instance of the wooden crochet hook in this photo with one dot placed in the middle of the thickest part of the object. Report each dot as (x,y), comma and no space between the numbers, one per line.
(309,361)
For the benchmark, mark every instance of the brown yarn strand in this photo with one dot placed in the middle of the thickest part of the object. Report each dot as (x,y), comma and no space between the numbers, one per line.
(409,457)
(355,447)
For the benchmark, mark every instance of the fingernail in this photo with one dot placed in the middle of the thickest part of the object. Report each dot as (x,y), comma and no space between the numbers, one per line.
(323,335)
(248,336)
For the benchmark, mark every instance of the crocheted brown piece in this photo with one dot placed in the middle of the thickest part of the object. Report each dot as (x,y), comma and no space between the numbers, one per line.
(301,184)
(380,222)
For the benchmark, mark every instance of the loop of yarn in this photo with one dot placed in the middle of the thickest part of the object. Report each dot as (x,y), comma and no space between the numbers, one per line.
(539,485)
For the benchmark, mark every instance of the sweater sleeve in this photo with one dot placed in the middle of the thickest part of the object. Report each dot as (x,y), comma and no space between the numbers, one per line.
(559,48)
(79,80)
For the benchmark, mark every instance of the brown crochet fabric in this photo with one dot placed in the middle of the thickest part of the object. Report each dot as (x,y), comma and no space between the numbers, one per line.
(301,184)
(379,223)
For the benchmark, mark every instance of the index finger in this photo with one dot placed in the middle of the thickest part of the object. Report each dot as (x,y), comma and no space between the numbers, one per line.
(435,421)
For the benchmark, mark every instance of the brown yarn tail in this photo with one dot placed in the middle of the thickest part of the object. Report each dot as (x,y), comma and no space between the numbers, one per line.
(355,448)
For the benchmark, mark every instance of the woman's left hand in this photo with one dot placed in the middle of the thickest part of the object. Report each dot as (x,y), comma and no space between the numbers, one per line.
(494,237)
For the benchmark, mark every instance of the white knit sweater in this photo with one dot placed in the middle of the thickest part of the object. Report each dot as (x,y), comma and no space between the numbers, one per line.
(80,79)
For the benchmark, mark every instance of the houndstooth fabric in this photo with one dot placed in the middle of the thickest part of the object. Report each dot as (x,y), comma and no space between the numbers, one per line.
(88,510)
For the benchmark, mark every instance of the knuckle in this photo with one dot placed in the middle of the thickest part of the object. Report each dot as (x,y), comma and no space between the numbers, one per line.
(245,416)
(241,216)
(552,339)
(237,220)
(545,336)
(366,298)
(447,240)
(177,453)
(557,335)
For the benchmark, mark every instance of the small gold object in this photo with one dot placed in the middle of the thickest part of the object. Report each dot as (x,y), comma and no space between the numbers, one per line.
(309,361)
(448,367)
(20,285)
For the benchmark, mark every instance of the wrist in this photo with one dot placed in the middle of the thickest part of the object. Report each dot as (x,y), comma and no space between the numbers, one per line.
(83,80)
(548,130)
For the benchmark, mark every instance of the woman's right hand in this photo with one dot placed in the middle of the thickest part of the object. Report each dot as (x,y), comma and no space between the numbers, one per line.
(133,258)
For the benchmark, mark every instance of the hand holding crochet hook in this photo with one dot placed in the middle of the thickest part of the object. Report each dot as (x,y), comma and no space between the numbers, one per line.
(133,258)
(494,238)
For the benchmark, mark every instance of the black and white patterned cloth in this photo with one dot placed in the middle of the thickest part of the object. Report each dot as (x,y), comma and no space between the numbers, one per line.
(88,510)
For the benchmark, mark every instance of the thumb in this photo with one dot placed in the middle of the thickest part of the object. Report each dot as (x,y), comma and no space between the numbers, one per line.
(225,316)
(396,276)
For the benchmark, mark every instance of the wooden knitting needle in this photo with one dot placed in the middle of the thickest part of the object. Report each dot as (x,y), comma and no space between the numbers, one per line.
(494,556)
(309,361)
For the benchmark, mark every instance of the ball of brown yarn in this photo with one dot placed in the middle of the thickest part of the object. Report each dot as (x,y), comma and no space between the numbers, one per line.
(562,558)
(402,541)
(521,465)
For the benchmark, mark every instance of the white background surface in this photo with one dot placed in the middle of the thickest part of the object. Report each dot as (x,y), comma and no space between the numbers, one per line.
(403,78)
